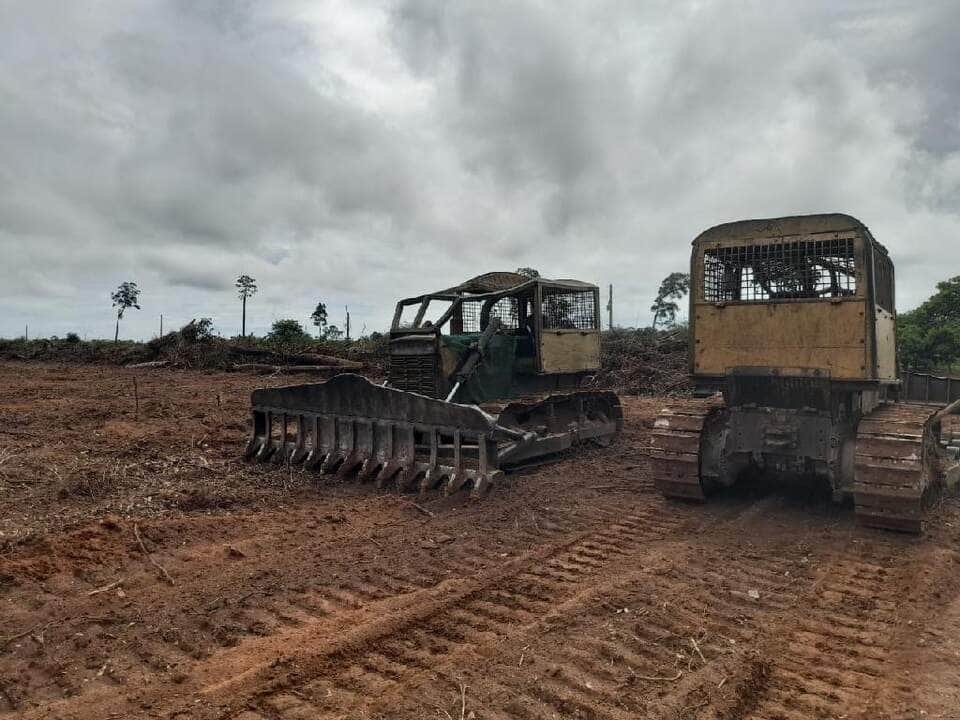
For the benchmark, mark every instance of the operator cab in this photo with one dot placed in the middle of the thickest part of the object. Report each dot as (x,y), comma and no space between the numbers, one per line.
(807,296)
(545,335)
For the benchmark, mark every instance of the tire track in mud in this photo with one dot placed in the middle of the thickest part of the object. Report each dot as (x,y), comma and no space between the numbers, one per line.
(832,663)
(431,633)
(236,614)
(274,621)
(540,594)
(683,630)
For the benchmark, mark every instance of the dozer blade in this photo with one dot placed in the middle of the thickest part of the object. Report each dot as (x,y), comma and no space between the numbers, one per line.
(347,425)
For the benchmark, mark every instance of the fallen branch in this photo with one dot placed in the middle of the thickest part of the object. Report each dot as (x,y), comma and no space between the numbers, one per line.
(151,364)
(41,627)
(106,588)
(143,548)
(660,679)
(362,534)
(697,648)
(265,368)
(422,509)
(319,359)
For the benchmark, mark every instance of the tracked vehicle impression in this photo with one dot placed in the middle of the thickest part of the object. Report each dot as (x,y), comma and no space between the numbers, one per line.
(794,360)
(482,377)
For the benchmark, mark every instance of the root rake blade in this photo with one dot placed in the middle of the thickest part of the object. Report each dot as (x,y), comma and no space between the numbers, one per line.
(347,427)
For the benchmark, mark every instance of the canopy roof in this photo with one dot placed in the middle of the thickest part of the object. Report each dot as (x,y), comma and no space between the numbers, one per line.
(783,227)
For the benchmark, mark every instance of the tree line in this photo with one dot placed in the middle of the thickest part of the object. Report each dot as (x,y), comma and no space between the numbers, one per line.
(127,295)
(928,337)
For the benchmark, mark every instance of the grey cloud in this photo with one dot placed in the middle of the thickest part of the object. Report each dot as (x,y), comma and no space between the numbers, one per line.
(357,152)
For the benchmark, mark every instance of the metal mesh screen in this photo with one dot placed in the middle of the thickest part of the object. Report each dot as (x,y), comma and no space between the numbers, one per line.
(563,309)
(781,271)
(506,310)
(884,283)
(470,310)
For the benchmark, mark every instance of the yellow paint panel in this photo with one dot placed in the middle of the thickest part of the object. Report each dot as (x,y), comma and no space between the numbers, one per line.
(569,351)
(817,335)
(886,345)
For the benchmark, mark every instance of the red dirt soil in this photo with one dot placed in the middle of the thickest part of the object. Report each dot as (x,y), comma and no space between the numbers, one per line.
(572,591)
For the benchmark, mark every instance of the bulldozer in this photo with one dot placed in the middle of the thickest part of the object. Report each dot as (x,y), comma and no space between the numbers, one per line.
(794,365)
(482,378)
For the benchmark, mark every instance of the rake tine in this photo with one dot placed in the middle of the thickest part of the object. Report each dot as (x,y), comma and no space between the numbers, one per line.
(387,471)
(351,462)
(300,452)
(434,472)
(368,469)
(324,434)
(408,475)
(487,472)
(279,455)
(266,447)
(457,479)
(457,475)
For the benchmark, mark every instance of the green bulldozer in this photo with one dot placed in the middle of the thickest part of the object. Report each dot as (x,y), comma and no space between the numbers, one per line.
(481,378)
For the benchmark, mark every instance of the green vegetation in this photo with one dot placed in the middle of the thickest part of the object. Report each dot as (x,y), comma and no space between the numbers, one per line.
(288,336)
(246,288)
(664,308)
(124,297)
(319,319)
(928,337)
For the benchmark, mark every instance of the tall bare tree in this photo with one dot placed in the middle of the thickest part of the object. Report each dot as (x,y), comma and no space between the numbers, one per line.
(127,295)
(319,318)
(246,287)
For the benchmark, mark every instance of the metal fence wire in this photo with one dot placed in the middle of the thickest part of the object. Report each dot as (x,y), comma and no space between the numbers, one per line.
(780,271)
(563,309)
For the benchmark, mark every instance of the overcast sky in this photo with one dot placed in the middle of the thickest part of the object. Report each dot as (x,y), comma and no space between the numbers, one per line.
(358,151)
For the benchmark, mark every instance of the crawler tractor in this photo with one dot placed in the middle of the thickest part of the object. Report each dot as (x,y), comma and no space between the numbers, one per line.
(793,357)
(481,378)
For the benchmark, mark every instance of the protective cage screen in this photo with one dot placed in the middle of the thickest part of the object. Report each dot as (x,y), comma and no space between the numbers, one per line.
(470,313)
(506,310)
(563,309)
(780,271)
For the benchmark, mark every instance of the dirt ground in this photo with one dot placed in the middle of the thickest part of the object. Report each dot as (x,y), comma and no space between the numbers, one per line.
(145,571)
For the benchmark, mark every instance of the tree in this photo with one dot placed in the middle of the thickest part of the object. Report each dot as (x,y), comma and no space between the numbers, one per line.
(928,337)
(246,287)
(125,296)
(664,308)
(319,317)
(333,333)
(288,334)
(528,272)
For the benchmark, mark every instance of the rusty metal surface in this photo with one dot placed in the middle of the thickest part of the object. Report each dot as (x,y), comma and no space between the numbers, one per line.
(675,449)
(929,388)
(350,395)
(350,428)
(896,466)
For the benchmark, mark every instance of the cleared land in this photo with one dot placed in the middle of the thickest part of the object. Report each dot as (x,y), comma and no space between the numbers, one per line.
(146,572)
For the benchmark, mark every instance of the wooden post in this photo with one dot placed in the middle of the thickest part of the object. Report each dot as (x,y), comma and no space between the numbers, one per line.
(161,324)
(26,333)
(136,400)
(347,308)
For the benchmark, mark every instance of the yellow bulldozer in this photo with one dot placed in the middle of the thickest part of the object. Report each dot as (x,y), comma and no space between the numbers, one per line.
(794,361)
(482,377)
